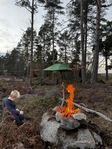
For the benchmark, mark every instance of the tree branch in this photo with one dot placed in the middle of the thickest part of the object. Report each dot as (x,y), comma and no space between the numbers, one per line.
(89,110)
(93,111)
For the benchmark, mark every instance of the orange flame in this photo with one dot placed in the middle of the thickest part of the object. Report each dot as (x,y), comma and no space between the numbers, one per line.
(69,109)
(69,100)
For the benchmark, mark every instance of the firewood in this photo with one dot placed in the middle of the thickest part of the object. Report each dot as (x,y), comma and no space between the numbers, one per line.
(93,111)
(90,111)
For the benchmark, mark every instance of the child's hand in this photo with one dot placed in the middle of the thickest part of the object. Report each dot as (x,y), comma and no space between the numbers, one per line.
(21,112)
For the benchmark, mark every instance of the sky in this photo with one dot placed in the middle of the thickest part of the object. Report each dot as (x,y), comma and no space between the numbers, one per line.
(14,21)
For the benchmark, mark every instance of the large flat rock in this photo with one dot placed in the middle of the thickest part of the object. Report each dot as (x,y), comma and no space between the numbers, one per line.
(49,129)
(82,138)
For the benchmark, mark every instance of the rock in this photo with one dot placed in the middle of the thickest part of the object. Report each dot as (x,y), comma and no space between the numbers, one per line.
(82,140)
(66,123)
(52,131)
(85,139)
(59,116)
(49,129)
(69,124)
(97,138)
(79,116)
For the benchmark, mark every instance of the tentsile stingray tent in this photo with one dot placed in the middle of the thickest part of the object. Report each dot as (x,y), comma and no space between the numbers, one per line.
(58,67)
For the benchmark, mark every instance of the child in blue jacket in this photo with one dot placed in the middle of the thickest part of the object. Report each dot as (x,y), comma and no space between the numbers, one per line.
(9,104)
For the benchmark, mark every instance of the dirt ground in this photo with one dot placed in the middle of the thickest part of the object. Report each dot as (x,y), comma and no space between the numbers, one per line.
(38,99)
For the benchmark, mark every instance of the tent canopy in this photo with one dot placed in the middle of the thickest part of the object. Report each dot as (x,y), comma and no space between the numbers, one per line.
(58,67)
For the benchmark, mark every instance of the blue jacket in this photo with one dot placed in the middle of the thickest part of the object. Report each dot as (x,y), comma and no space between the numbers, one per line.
(11,106)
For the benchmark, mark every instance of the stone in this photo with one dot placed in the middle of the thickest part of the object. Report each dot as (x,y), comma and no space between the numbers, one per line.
(85,139)
(69,124)
(65,136)
(97,138)
(49,129)
(79,116)
(59,116)
(81,139)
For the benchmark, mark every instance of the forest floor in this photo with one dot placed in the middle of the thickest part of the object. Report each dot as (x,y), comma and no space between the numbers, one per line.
(37,100)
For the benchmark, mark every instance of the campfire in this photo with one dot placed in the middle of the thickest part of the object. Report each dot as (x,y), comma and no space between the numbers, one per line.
(67,126)
(69,110)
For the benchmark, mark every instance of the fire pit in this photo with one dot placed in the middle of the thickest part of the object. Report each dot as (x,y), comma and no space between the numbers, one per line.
(67,126)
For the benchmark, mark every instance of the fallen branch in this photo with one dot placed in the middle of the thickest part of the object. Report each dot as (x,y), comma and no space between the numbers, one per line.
(93,111)
(90,111)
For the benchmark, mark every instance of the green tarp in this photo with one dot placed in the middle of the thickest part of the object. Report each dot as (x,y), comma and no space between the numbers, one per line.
(58,67)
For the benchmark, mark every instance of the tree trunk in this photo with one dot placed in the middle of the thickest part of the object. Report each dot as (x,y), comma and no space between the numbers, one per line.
(82,44)
(94,74)
(53,37)
(85,30)
(31,58)
(65,54)
(106,66)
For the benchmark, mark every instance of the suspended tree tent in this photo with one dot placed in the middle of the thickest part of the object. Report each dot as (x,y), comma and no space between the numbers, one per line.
(59,67)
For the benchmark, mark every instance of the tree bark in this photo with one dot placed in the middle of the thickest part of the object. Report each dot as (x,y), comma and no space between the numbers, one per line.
(31,58)
(106,66)
(94,74)
(85,30)
(82,43)
(53,37)
(65,54)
